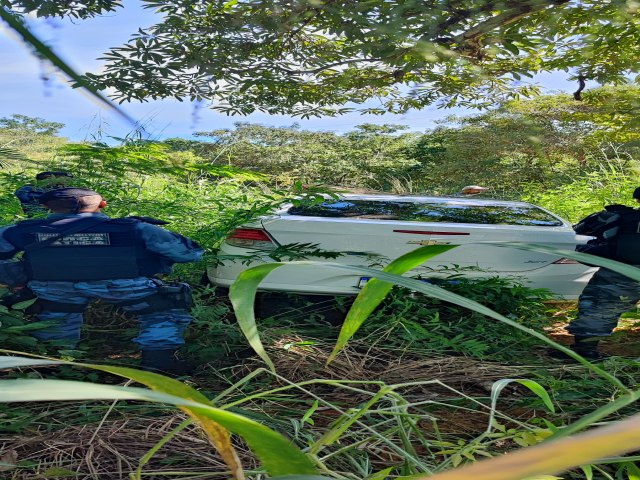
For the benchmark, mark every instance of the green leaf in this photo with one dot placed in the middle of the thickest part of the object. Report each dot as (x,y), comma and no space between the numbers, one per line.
(58,472)
(511,48)
(535,387)
(588,472)
(247,282)
(276,452)
(381,475)
(307,416)
(376,290)
(242,295)
(633,472)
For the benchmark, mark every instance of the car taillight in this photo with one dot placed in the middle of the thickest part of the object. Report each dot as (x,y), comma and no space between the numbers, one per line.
(566,261)
(251,238)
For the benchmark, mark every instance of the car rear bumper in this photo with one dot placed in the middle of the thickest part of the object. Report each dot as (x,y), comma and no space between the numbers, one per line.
(565,280)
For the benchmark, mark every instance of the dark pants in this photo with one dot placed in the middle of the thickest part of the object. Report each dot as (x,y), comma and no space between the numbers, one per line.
(158,330)
(607,296)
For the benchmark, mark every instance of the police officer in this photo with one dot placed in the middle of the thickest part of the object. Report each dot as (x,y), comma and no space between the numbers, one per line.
(608,294)
(77,254)
(29,195)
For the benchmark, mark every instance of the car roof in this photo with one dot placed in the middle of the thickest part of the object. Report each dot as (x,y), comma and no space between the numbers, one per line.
(466,200)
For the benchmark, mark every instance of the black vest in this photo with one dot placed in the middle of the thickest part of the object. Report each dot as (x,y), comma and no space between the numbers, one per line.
(109,250)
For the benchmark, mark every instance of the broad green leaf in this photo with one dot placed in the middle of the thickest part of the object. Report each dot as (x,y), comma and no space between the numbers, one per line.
(248,281)
(243,295)
(218,435)
(588,471)
(376,290)
(535,387)
(59,472)
(633,472)
(381,475)
(243,291)
(277,454)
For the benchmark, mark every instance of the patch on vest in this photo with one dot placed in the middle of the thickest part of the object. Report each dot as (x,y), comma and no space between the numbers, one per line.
(76,239)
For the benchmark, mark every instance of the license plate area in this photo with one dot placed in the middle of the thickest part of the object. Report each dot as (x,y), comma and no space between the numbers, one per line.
(364,280)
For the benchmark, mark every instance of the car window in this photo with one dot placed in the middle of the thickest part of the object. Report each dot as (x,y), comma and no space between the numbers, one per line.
(449,212)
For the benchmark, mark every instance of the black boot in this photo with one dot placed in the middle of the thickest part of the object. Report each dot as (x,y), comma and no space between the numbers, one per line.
(163,361)
(587,347)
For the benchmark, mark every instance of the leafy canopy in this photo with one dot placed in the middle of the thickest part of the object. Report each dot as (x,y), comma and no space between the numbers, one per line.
(312,57)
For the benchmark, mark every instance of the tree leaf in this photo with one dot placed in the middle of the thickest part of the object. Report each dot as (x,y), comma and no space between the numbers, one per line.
(376,290)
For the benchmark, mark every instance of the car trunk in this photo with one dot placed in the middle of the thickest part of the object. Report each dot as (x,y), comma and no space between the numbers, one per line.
(364,240)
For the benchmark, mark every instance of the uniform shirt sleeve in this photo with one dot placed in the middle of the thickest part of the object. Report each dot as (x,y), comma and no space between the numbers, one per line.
(170,245)
(7,250)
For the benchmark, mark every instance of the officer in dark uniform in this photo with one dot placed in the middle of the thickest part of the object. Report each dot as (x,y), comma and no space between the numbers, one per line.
(29,195)
(78,254)
(608,294)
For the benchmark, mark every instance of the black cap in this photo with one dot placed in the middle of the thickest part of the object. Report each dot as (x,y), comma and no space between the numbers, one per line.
(636,193)
(66,194)
(43,175)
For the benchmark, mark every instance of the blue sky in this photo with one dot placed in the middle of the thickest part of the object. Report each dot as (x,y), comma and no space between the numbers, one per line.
(80,43)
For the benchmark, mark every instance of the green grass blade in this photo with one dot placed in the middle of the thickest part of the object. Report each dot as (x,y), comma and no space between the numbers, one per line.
(11,154)
(535,387)
(376,290)
(146,458)
(411,284)
(303,477)
(277,454)
(243,295)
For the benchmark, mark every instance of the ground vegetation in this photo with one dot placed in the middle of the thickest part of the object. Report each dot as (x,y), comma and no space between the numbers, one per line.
(424,386)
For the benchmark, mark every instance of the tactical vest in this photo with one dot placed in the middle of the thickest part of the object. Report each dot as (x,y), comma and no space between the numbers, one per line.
(112,249)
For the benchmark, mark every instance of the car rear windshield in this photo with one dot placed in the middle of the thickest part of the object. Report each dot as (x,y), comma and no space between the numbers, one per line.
(449,212)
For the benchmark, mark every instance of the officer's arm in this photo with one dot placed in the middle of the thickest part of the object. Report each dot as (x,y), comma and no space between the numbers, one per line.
(7,250)
(169,244)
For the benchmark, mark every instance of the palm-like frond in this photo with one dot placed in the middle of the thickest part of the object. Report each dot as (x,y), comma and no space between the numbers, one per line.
(8,155)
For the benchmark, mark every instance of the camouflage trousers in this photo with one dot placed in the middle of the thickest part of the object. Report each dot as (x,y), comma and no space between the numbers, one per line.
(158,330)
(607,296)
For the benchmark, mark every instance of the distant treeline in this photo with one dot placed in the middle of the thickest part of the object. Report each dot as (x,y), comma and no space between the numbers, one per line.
(567,155)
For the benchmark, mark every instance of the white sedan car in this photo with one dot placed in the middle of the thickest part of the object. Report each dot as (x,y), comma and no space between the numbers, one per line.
(368,229)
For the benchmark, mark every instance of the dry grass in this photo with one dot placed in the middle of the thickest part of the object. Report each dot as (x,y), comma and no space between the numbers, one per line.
(362,362)
(113,450)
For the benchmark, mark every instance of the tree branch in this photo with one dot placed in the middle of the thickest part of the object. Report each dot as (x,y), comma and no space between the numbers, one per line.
(521,9)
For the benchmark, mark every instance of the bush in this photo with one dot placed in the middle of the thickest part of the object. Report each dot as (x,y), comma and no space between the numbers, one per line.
(416,322)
